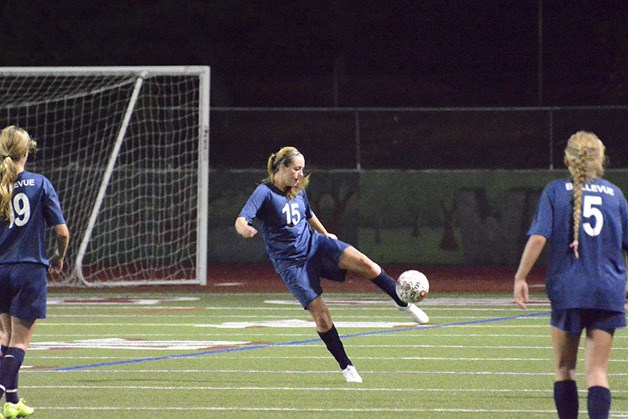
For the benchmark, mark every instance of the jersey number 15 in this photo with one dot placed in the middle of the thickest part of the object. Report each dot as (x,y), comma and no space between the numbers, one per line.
(293,216)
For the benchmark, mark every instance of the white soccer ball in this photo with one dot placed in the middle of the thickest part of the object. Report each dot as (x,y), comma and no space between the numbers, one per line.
(412,286)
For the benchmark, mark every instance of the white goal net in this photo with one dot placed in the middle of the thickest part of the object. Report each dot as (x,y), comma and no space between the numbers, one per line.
(127,149)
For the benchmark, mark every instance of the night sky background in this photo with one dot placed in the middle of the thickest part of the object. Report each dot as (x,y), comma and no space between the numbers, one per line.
(344,53)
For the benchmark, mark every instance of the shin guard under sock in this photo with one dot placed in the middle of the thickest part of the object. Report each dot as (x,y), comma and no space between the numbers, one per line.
(388,285)
(11,363)
(599,402)
(566,399)
(335,346)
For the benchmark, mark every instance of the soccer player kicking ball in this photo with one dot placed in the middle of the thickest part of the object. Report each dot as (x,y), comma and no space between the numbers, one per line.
(302,251)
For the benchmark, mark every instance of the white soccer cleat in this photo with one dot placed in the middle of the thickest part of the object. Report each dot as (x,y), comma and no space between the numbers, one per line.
(351,374)
(416,314)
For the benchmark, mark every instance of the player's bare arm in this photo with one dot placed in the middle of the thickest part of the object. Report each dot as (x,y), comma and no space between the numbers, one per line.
(63,239)
(531,253)
(244,229)
(318,226)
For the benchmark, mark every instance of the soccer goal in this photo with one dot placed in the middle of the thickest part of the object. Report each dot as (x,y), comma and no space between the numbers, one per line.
(127,149)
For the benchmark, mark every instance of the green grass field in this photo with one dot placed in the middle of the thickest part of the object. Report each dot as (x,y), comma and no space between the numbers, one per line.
(196,355)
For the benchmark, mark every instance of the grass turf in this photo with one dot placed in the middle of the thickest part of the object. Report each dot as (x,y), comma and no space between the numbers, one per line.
(153,355)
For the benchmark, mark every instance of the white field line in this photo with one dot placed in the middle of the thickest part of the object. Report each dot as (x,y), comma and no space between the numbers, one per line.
(103,372)
(306,323)
(358,306)
(351,389)
(360,358)
(545,347)
(414,346)
(544,336)
(253,410)
(42,336)
(253,316)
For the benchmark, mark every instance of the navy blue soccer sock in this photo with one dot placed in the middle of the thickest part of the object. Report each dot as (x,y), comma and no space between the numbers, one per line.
(387,284)
(3,350)
(599,402)
(335,346)
(566,399)
(11,363)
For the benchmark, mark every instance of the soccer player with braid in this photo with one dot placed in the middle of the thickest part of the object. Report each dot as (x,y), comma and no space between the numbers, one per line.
(585,219)
(28,205)
(302,250)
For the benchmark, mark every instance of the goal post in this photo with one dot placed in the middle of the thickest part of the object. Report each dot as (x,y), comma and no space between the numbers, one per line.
(127,149)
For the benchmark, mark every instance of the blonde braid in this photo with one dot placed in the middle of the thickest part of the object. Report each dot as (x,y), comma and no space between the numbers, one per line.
(585,157)
(579,179)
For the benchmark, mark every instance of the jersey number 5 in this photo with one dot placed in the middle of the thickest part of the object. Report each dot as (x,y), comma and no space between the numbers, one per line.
(20,210)
(293,216)
(589,210)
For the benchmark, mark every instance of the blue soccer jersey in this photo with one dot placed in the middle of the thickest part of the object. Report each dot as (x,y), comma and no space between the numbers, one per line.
(35,206)
(597,280)
(283,223)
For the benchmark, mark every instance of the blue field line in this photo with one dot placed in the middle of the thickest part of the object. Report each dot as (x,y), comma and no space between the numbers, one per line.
(298,342)
(441,326)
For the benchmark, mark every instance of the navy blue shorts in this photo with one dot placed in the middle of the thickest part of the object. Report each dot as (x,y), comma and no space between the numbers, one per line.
(304,280)
(573,321)
(23,290)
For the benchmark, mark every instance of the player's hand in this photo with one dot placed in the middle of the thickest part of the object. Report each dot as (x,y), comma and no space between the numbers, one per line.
(332,236)
(56,264)
(520,294)
(248,232)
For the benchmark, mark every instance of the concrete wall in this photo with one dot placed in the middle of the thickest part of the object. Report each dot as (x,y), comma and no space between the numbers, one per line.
(413,217)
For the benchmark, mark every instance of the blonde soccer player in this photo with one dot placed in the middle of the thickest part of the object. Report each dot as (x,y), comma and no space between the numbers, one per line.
(28,206)
(585,218)
(302,250)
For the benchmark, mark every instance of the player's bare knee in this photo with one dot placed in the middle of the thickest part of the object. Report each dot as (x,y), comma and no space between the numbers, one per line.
(565,373)
(366,266)
(323,322)
(371,269)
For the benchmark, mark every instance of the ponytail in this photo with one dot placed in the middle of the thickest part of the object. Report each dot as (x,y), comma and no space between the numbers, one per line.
(8,173)
(15,143)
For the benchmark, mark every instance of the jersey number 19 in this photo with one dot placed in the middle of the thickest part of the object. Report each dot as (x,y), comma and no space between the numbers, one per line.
(20,210)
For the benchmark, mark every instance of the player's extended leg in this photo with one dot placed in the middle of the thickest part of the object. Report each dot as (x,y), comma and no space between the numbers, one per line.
(328,333)
(357,262)
(21,333)
(597,353)
(565,357)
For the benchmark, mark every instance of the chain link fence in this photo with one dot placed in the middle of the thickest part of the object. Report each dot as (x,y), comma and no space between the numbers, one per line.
(413,138)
